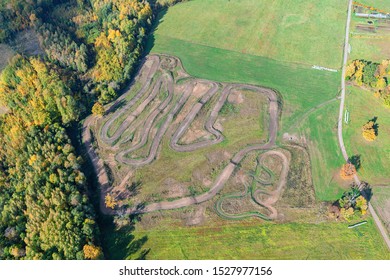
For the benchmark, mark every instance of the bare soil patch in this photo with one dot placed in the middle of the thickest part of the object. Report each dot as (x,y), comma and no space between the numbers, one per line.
(236,97)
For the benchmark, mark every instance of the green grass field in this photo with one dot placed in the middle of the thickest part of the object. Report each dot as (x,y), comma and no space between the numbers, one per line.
(379,4)
(375,156)
(243,44)
(294,31)
(321,129)
(373,49)
(301,87)
(245,240)
(381,202)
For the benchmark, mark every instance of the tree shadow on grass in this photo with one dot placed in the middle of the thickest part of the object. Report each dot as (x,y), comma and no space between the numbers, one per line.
(356,161)
(121,244)
(376,125)
(151,38)
(116,106)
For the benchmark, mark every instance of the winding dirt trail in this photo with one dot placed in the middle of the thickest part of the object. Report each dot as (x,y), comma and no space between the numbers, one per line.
(166,111)
(272,197)
(275,195)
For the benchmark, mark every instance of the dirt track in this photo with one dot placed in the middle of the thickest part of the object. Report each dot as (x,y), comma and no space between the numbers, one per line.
(272,197)
(167,111)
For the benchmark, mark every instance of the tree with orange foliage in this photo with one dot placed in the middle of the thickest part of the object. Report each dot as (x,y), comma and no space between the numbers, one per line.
(92,252)
(347,171)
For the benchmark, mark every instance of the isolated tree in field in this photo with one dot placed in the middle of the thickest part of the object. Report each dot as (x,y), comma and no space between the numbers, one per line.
(98,109)
(110,201)
(369,132)
(347,171)
(92,252)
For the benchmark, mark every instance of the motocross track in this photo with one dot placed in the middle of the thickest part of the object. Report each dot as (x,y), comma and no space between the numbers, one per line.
(140,115)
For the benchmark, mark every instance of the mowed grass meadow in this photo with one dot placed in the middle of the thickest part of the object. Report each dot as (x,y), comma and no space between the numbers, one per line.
(381,202)
(379,4)
(268,43)
(325,155)
(370,48)
(297,31)
(375,155)
(253,240)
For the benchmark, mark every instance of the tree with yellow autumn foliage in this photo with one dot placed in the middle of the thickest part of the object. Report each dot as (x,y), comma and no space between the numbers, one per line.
(92,252)
(369,131)
(362,205)
(110,201)
(98,109)
(350,204)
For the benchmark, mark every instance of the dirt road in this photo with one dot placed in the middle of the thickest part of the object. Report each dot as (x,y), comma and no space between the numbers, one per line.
(377,220)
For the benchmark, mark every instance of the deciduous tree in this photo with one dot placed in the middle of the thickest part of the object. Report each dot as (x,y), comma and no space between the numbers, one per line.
(347,171)
(368,131)
(92,252)
(110,201)
(98,109)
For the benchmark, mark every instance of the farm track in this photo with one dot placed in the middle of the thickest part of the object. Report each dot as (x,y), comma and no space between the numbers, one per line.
(167,112)
(378,222)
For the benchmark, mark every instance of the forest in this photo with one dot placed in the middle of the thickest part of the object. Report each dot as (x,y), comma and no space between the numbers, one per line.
(91,53)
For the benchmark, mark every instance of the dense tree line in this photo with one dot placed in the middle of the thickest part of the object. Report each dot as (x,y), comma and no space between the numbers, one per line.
(35,94)
(62,49)
(123,26)
(112,31)
(44,212)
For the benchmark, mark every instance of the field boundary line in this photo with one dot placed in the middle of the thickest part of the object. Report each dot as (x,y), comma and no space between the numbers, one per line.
(304,65)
